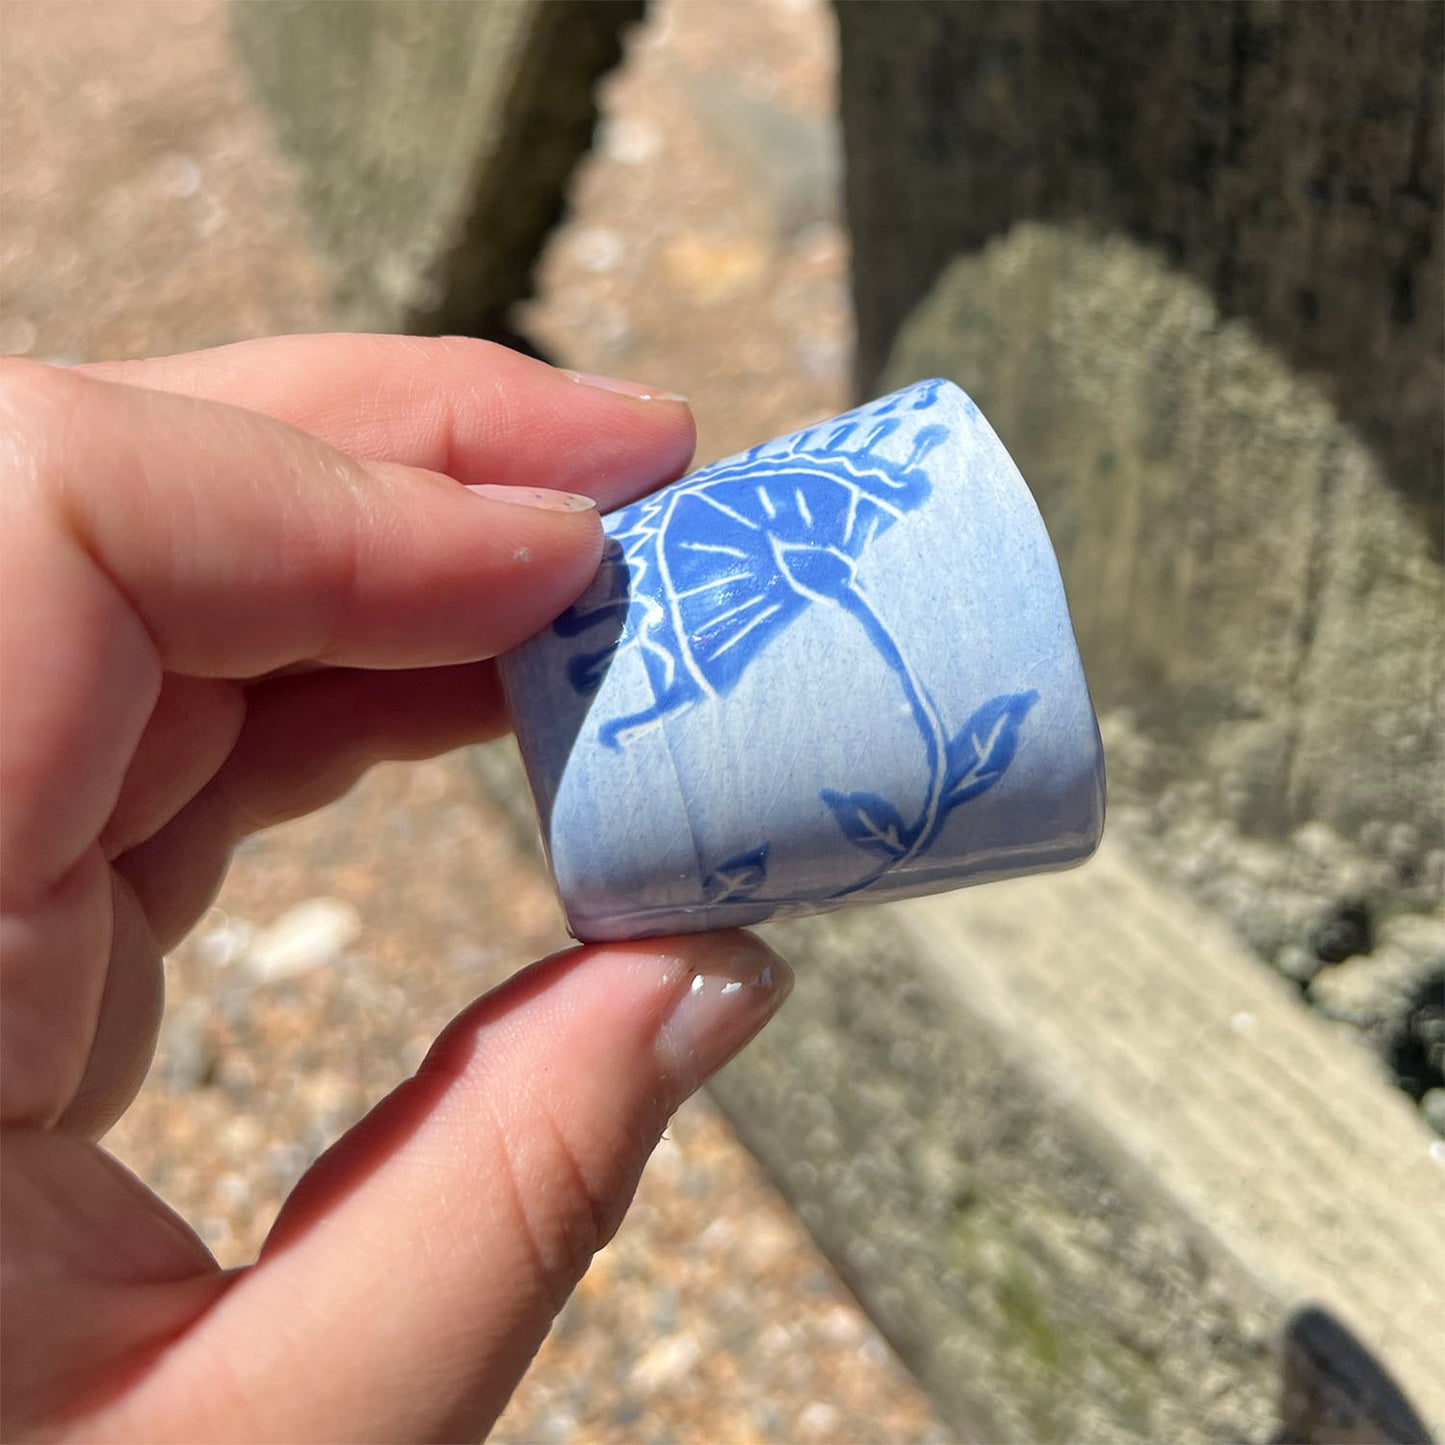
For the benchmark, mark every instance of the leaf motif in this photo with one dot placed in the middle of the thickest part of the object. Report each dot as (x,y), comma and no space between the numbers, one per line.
(869,822)
(981,751)
(928,393)
(740,877)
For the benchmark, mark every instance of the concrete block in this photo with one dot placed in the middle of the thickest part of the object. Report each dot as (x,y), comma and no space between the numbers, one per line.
(1095,1172)
(434,141)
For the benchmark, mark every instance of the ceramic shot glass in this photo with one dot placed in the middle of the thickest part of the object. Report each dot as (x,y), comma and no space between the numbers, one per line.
(838,668)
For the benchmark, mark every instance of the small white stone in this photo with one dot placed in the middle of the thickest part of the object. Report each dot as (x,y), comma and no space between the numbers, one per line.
(819,1420)
(313,933)
(842,1326)
(718,1235)
(233,1190)
(629,140)
(1319,842)
(665,1363)
(226,940)
(597,249)
(242,1136)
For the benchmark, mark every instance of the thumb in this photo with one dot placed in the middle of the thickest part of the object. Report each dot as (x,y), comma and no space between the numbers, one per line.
(417,1267)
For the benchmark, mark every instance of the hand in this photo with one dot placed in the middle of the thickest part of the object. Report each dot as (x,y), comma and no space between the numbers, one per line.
(229,582)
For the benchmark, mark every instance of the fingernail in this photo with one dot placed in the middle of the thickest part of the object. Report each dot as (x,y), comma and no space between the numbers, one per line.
(719,1007)
(623,388)
(538,497)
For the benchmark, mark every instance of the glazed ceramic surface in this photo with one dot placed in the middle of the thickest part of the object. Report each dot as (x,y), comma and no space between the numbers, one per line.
(838,668)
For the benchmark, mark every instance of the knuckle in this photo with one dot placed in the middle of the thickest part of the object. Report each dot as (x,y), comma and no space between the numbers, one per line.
(562,1219)
(585,1215)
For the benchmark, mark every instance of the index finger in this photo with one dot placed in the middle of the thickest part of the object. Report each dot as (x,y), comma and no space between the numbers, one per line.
(147,532)
(472,409)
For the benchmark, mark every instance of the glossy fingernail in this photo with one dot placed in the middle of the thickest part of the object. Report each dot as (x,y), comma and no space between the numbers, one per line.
(538,497)
(623,388)
(720,1005)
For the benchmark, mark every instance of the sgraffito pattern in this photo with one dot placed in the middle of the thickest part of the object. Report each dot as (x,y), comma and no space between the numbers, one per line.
(702,577)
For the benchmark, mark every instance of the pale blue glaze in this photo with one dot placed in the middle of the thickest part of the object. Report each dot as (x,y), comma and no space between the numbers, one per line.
(838,668)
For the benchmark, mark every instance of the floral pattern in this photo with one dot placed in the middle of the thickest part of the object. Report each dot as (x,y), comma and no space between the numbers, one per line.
(700,578)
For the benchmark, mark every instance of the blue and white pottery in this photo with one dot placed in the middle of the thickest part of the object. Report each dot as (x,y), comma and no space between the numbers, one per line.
(838,668)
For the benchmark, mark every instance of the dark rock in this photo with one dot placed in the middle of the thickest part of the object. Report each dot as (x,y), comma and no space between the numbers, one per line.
(1347,930)
(1416,1050)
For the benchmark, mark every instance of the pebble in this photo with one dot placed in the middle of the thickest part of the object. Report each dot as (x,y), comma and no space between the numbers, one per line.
(188,1049)
(843,1327)
(598,249)
(1298,963)
(630,140)
(665,1363)
(233,1190)
(1402,847)
(223,939)
(1432,1106)
(1345,931)
(819,1420)
(1432,874)
(715,268)
(1420,934)
(1366,991)
(1416,1046)
(1319,843)
(242,1137)
(307,936)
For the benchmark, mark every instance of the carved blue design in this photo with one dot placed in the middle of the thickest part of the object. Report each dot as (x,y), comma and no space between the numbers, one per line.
(967,764)
(705,574)
(700,578)
(738,878)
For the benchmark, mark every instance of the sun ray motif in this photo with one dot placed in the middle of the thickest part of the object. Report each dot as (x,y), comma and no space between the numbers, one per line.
(743,631)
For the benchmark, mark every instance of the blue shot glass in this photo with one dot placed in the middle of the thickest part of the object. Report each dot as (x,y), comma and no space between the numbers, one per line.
(838,668)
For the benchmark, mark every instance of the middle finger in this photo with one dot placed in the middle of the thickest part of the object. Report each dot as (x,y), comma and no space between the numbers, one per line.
(306,741)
